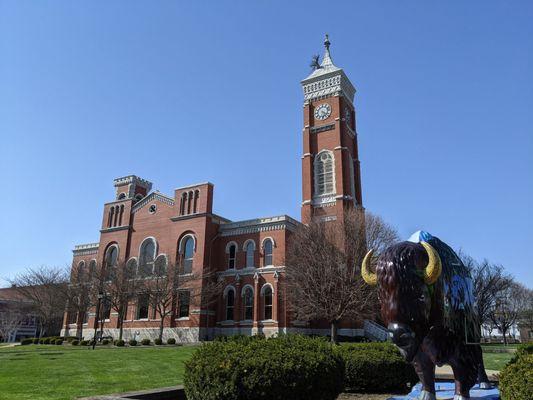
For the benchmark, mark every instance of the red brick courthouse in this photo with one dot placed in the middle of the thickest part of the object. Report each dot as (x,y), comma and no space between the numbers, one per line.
(142,227)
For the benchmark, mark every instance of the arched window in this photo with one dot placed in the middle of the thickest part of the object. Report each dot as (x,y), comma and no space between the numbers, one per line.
(121,196)
(115,220)
(196,196)
(147,257)
(324,173)
(80,272)
(189,201)
(106,308)
(250,250)
(231,251)
(111,261)
(230,304)
(248,303)
(187,254)
(110,218)
(183,203)
(267,302)
(120,215)
(267,252)
(92,270)
(160,265)
(131,268)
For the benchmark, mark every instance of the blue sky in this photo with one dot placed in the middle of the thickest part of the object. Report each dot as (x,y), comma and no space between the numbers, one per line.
(183,92)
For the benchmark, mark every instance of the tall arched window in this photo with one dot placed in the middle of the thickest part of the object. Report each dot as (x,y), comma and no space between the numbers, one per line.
(160,265)
(92,270)
(324,173)
(110,218)
(196,196)
(111,261)
(189,201)
(250,250)
(267,302)
(248,304)
(147,257)
(267,252)
(232,254)
(80,272)
(183,203)
(115,220)
(131,268)
(120,215)
(230,304)
(187,254)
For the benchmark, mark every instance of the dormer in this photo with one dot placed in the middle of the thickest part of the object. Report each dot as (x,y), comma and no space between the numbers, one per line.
(131,187)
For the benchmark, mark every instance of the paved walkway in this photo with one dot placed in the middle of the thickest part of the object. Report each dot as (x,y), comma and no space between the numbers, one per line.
(445,372)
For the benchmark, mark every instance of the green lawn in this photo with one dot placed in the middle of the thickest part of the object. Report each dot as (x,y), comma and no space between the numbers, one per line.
(496,361)
(67,372)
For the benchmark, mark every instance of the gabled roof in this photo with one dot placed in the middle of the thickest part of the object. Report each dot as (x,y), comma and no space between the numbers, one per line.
(151,197)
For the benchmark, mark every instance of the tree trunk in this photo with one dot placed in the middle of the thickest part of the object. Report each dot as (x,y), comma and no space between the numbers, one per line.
(334,331)
(504,337)
(161,326)
(121,324)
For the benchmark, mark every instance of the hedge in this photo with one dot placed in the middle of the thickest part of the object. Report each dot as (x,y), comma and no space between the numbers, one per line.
(119,343)
(146,342)
(516,379)
(158,342)
(27,341)
(375,367)
(132,342)
(171,341)
(84,343)
(75,342)
(287,367)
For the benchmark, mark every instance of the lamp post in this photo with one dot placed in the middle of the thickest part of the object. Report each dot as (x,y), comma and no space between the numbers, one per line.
(97,316)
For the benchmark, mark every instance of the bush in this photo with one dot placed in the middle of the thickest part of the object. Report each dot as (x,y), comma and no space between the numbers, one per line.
(46,340)
(58,342)
(105,342)
(27,341)
(286,367)
(75,342)
(171,341)
(146,342)
(516,379)
(69,339)
(84,343)
(158,342)
(375,367)
(119,343)
(522,350)
(35,340)
(132,342)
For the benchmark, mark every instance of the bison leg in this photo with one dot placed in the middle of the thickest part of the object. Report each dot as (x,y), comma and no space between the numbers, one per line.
(425,369)
(465,365)
(482,377)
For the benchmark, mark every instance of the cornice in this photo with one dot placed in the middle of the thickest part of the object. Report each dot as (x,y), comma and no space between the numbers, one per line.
(258,225)
(86,249)
(333,83)
(115,228)
(251,271)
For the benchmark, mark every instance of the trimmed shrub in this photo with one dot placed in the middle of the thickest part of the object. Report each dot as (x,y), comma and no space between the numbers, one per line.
(158,342)
(146,342)
(375,367)
(522,350)
(75,342)
(171,341)
(69,339)
(27,341)
(35,340)
(287,367)
(58,342)
(516,379)
(132,342)
(46,340)
(120,343)
(84,343)
(105,342)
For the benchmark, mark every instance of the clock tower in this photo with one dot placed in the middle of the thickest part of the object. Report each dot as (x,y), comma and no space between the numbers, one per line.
(331,178)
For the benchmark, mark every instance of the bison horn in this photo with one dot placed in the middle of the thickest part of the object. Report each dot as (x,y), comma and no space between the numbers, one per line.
(368,276)
(434,267)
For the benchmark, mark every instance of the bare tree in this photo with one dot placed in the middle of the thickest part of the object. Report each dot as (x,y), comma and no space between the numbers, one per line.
(44,287)
(526,318)
(323,267)
(79,293)
(490,281)
(120,284)
(12,316)
(510,304)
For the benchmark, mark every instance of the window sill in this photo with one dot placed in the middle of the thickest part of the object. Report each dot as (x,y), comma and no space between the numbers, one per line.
(227,322)
(268,322)
(182,319)
(246,322)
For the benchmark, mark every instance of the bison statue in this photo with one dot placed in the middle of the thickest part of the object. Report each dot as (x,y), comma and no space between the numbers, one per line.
(426,299)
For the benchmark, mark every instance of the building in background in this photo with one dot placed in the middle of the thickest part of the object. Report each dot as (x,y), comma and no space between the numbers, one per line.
(142,229)
(17,320)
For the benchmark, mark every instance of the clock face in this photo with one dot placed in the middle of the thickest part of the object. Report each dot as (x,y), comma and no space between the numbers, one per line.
(322,111)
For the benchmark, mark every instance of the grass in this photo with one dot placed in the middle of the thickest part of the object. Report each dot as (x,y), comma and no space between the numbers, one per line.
(496,361)
(66,372)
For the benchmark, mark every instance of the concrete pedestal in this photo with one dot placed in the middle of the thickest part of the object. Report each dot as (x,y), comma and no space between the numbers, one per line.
(445,391)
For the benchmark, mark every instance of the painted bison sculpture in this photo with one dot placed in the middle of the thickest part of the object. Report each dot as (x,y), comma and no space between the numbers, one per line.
(426,299)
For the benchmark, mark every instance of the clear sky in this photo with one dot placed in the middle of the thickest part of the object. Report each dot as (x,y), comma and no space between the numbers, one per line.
(180,92)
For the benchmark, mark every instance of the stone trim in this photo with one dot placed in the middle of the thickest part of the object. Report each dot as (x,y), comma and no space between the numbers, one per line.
(86,249)
(251,271)
(194,185)
(115,228)
(322,128)
(151,197)
(280,222)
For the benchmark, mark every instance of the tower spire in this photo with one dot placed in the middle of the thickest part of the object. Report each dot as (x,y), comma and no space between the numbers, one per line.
(326,60)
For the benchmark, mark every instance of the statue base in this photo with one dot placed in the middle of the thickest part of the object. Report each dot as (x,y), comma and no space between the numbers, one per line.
(446,391)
